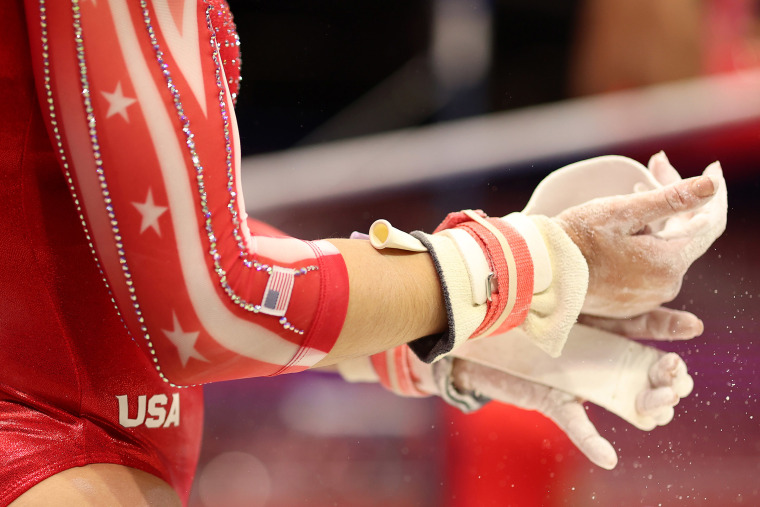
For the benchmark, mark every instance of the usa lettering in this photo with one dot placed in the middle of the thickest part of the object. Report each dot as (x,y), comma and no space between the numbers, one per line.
(155,408)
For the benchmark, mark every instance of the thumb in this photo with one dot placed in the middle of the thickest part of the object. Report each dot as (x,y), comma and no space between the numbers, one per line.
(685,195)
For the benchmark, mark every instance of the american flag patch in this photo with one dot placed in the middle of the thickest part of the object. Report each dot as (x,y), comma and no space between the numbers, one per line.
(277,293)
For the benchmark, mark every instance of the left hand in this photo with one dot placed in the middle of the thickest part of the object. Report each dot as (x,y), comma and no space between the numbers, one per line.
(668,383)
(564,409)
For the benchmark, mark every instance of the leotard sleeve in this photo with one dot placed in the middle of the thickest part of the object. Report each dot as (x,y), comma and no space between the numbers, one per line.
(137,105)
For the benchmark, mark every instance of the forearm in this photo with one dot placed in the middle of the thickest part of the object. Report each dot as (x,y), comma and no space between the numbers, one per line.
(157,186)
(394,297)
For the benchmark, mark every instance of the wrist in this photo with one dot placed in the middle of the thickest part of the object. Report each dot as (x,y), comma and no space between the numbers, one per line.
(486,274)
(554,310)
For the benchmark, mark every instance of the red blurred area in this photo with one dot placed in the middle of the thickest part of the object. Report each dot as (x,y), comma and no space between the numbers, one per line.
(502,455)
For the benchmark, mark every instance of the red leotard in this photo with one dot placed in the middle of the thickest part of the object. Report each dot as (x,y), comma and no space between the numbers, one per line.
(151,277)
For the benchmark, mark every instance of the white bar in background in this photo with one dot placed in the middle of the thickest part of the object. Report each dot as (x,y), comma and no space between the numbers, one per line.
(422,154)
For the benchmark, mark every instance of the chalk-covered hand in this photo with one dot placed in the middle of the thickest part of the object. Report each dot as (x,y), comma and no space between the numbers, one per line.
(647,404)
(567,411)
(632,268)
(699,226)
(469,385)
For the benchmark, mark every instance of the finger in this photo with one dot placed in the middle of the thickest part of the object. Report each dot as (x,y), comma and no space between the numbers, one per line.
(665,370)
(699,231)
(683,384)
(571,417)
(709,219)
(686,195)
(655,405)
(651,401)
(715,170)
(689,225)
(664,416)
(670,371)
(668,324)
(564,409)
(662,170)
(659,324)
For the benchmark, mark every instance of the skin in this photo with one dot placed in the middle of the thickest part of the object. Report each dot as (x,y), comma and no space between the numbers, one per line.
(98,485)
(395,297)
(631,271)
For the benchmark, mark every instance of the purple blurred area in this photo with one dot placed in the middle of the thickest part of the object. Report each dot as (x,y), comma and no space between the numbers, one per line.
(313,440)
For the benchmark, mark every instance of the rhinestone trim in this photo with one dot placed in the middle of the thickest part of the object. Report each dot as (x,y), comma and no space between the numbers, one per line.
(200,171)
(230,44)
(93,133)
(61,153)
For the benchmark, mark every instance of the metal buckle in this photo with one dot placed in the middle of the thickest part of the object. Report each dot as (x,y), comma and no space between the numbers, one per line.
(489,286)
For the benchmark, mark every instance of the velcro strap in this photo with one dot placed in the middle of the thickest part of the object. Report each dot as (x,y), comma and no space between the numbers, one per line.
(510,261)
(458,217)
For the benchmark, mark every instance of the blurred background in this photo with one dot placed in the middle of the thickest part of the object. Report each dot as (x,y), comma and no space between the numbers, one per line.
(409,109)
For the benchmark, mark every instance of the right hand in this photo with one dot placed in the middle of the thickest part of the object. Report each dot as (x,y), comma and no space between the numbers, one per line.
(662,324)
(631,270)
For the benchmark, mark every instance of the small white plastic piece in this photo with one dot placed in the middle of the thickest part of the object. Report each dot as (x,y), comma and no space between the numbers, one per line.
(542,265)
(383,235)
(597,366)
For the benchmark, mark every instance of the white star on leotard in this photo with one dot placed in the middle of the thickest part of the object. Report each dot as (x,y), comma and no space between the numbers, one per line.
(118,103)
(184,341)
(150,213)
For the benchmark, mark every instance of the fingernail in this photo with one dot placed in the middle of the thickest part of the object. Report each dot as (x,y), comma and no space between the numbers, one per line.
(686,328)
(700,327)
(715,179)
(704,186)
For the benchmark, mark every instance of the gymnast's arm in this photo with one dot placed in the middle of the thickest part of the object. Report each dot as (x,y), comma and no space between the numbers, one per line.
(144,122)
(142,117)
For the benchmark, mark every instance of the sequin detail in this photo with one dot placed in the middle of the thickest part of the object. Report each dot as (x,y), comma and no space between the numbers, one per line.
(61,153)
(232,205)
(200,172)
(223,26)
(93,135)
